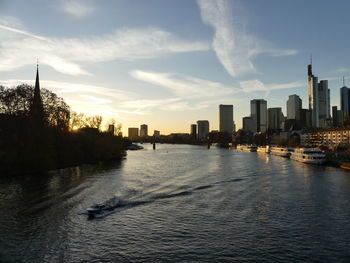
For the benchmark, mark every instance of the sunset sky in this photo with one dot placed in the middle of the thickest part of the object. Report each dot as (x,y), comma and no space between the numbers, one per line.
(170,63)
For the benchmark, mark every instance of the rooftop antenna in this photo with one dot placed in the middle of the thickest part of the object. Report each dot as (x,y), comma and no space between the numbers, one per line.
(311,59)
(343,81)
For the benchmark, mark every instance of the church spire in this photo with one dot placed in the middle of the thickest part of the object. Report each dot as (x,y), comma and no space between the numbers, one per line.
(37,110)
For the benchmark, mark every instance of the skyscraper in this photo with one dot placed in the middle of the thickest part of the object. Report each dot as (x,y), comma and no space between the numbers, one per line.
(133,133)
(226,118)
(203,129)
(319,100)
(144,130)
(345,100)
(294,106)
(312,84)
(275,118)
(258,112)
(247,124)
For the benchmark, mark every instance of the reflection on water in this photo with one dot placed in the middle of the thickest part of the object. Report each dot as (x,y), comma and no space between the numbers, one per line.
(180,203)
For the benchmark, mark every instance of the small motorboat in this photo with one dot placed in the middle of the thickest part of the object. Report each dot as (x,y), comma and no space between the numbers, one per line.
(101,210)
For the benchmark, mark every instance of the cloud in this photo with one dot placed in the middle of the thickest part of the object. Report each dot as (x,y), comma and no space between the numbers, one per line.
(233,46)
(256,86)
(66,55)
(77,9)
(184,86)
(341,70)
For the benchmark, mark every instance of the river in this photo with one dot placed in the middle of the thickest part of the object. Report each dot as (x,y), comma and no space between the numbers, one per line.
(180,203)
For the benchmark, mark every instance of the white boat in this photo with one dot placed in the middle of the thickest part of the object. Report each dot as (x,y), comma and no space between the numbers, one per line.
(246,148)
(281,151)
(309,155)
(101,210)
(263,149)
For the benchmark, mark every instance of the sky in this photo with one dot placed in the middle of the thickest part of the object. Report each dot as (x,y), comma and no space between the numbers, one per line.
(168,63)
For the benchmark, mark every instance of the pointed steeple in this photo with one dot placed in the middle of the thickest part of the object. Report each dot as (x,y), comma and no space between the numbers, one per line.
(37,110)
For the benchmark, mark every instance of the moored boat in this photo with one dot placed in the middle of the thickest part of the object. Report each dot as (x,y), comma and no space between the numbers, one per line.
(246,148)
(281,151)
(309,155)
(263,149)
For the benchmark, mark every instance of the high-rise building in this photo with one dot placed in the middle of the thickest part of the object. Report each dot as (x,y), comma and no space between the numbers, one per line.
(226,118)
(305,118)
(275,118)
(345,99)
(294,105)
(258,112)
(133,133)
(337,117)
(319,100)
(203,129)
(144,130)
(247,124)
(193,131)
(323,103)
(156,133)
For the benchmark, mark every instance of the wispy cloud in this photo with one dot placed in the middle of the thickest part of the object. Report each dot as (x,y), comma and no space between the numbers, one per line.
(77,9)
(184,86)
(233,46)
(256,85)
(66,55)
(341,70)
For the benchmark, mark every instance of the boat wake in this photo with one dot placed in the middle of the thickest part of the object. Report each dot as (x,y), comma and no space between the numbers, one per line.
(126,204)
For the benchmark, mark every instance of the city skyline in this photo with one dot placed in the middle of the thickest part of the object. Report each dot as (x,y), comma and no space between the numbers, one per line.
(142,67)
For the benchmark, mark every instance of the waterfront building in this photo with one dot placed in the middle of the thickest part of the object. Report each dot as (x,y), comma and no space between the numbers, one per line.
(294,106)
(258,113)
(133,133)
(193,131)
(275,118)
(345,99)
(312,84)
(331,138)
(143,130)
(203,129)
(226,118)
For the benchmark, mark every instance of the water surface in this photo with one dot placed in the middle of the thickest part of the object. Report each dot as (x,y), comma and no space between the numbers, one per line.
(180,203)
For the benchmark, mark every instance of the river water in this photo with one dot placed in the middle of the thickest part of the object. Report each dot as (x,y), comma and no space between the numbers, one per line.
(180,203)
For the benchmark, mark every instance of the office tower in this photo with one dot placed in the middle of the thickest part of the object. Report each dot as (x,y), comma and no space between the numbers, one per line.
(294,105)
(345,99)
(144,130)
(312,84)
(275,118)
(193,131)
(319,100)
(337,117)
(323,103)
(226,118)
(133,133)
(203,129)
(247,124)
(258,112)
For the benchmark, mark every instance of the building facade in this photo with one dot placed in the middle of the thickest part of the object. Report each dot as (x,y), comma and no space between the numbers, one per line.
(203,129)
(275,118)
(345,100)
(331,138)
(193,131)
(294,106)
(133,133)
(258,113)
(143,130)
(226,118)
